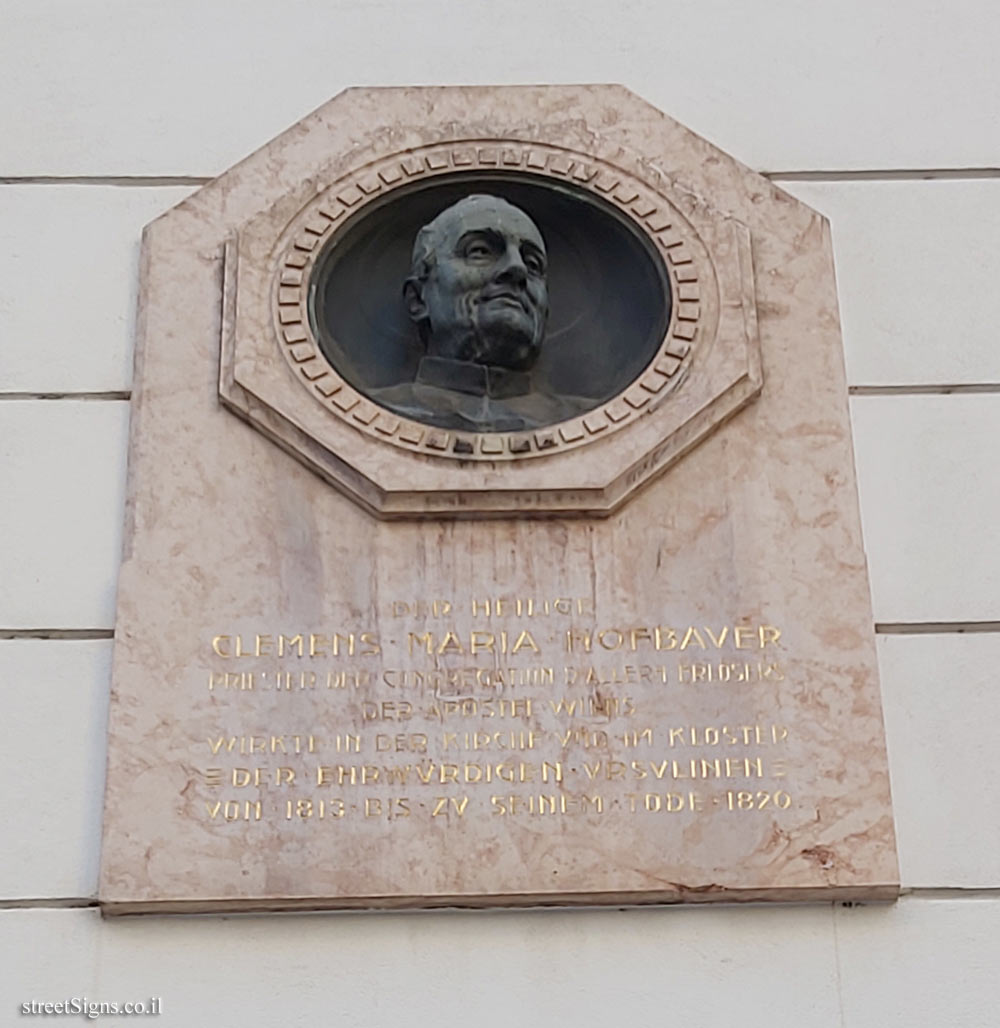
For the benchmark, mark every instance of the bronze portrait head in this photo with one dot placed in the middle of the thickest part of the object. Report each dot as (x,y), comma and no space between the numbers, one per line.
(477,289)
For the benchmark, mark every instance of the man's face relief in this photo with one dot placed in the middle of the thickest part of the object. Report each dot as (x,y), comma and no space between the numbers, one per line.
(485,297)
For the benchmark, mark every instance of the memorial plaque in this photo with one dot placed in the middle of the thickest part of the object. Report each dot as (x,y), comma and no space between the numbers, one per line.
(493,535)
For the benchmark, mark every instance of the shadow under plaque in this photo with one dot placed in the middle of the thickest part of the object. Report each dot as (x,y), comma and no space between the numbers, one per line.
(609,295)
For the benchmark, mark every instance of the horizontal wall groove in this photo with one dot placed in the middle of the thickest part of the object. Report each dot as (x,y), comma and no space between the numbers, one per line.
(72,634)
(884,175)
(104,180)
(907,893)
(881,628)
(823,175)
(46,903)
(927,389)
(934,627)
(109,394)
(951,892)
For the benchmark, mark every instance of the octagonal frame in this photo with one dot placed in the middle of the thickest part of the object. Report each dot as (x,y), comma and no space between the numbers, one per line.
(274,374)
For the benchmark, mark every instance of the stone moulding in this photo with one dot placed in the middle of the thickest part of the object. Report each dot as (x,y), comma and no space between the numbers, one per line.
(274,374)
(685,257)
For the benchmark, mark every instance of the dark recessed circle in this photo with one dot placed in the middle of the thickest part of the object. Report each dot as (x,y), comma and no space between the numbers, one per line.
(609,295)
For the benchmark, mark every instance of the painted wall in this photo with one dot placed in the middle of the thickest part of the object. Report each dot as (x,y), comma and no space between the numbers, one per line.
(879,114)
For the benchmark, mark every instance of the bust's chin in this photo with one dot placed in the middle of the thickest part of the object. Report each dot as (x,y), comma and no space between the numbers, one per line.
(507,338)
(506,341)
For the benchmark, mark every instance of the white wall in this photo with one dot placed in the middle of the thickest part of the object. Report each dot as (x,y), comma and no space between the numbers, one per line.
(112,109)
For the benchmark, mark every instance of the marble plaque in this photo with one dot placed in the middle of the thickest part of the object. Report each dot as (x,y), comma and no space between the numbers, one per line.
(492,530)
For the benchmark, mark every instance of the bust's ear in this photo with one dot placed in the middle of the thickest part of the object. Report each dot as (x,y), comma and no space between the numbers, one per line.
(413,296)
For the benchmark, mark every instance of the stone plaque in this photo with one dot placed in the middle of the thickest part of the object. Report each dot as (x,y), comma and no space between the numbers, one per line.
(492,532)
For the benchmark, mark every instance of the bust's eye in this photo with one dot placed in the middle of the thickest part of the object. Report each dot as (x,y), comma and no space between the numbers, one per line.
(534,264)
(478,250)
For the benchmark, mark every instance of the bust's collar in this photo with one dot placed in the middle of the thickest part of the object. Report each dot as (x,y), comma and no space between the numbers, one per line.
(475,379)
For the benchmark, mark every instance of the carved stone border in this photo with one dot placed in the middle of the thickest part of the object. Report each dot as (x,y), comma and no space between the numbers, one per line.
(321,221)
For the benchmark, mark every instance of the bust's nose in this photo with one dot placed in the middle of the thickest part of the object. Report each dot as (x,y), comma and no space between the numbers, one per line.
(511,268)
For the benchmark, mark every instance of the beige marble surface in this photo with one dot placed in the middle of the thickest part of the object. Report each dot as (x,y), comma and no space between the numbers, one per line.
(229,535)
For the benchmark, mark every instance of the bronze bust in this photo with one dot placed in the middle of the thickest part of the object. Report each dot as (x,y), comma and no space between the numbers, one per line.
(478,294)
